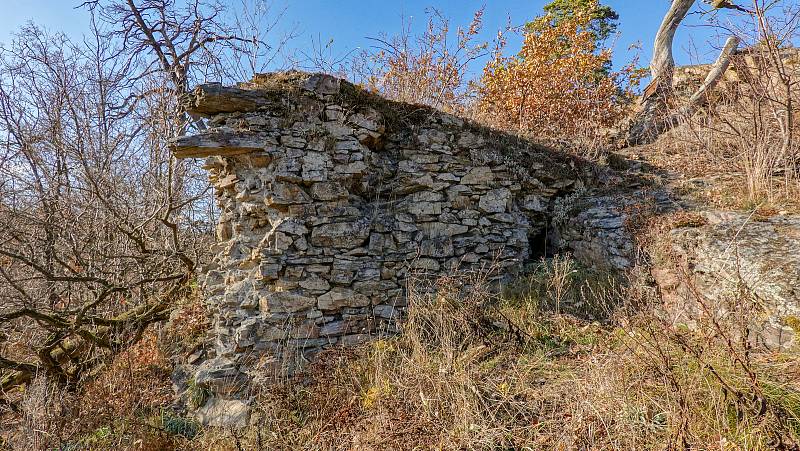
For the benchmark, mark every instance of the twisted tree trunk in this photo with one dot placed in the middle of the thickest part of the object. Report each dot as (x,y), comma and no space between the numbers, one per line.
(654,116)
(650,120)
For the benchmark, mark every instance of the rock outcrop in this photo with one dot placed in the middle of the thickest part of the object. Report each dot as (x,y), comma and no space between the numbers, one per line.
(729,261)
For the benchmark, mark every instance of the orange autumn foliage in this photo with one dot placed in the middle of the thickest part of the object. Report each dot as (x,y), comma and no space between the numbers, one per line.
(558,86)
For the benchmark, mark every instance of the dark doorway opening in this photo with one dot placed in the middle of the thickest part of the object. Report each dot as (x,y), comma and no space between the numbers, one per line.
(542,244)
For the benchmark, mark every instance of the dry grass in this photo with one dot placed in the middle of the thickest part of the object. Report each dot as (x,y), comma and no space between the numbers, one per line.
(124,404)
(474,371)
(714,171)
(742,150)
(566,358)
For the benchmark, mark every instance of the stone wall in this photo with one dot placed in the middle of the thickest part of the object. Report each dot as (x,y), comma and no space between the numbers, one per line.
(331,197)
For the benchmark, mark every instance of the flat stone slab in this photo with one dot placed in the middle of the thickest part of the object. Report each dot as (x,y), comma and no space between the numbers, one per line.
(218,412)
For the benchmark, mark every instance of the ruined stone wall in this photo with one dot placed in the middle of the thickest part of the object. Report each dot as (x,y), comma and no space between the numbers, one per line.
(330,198)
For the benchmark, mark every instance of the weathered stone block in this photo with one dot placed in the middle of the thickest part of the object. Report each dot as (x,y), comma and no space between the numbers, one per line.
(482,175)
(495,201)
(285,302)
(328,191)
(341,297)
(340,235)
(286,194)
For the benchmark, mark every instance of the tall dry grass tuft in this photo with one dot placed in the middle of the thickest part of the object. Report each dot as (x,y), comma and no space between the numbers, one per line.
(45,417)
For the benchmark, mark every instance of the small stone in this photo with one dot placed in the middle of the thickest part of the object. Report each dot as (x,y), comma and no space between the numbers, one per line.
(293,141)
(286,194)
(341,297)
(495,201)
(470,141)
(275,243)
(341,235)
(220,375)
(322,84)
(369,120)
(425,203)
(218,412)
(348,146)
(437,229)
(315,166)
(386,311)
(270,271)
(438,247)
(224,231)
(334,328)
(534,203)
(357,167)
(333,113)
(478,176)
(471,257)
(375,287)
(285,302)
(427,264)
(315,283)
(292,226)
(328,191)
(504,217)
(227,182)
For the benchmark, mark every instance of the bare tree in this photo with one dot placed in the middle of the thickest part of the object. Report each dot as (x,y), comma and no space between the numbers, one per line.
(654,116)
(97,243)
(753,124)
(102,229)
(192,41)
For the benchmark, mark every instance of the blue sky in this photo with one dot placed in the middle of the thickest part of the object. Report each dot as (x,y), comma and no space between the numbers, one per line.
(350,22)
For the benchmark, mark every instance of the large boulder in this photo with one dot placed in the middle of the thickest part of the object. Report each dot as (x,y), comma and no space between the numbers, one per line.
(728,262)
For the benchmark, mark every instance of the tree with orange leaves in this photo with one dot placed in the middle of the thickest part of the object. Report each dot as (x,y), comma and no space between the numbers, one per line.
(558,85)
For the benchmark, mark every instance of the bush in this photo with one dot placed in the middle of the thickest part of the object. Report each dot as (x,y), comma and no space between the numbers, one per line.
(558,85)
(427,69)
(179,426)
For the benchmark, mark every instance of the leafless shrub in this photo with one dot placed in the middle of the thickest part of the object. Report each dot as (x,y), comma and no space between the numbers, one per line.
(429,69)
(102,227)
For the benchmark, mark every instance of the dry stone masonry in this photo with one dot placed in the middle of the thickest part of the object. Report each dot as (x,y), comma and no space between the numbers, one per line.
(331,197)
